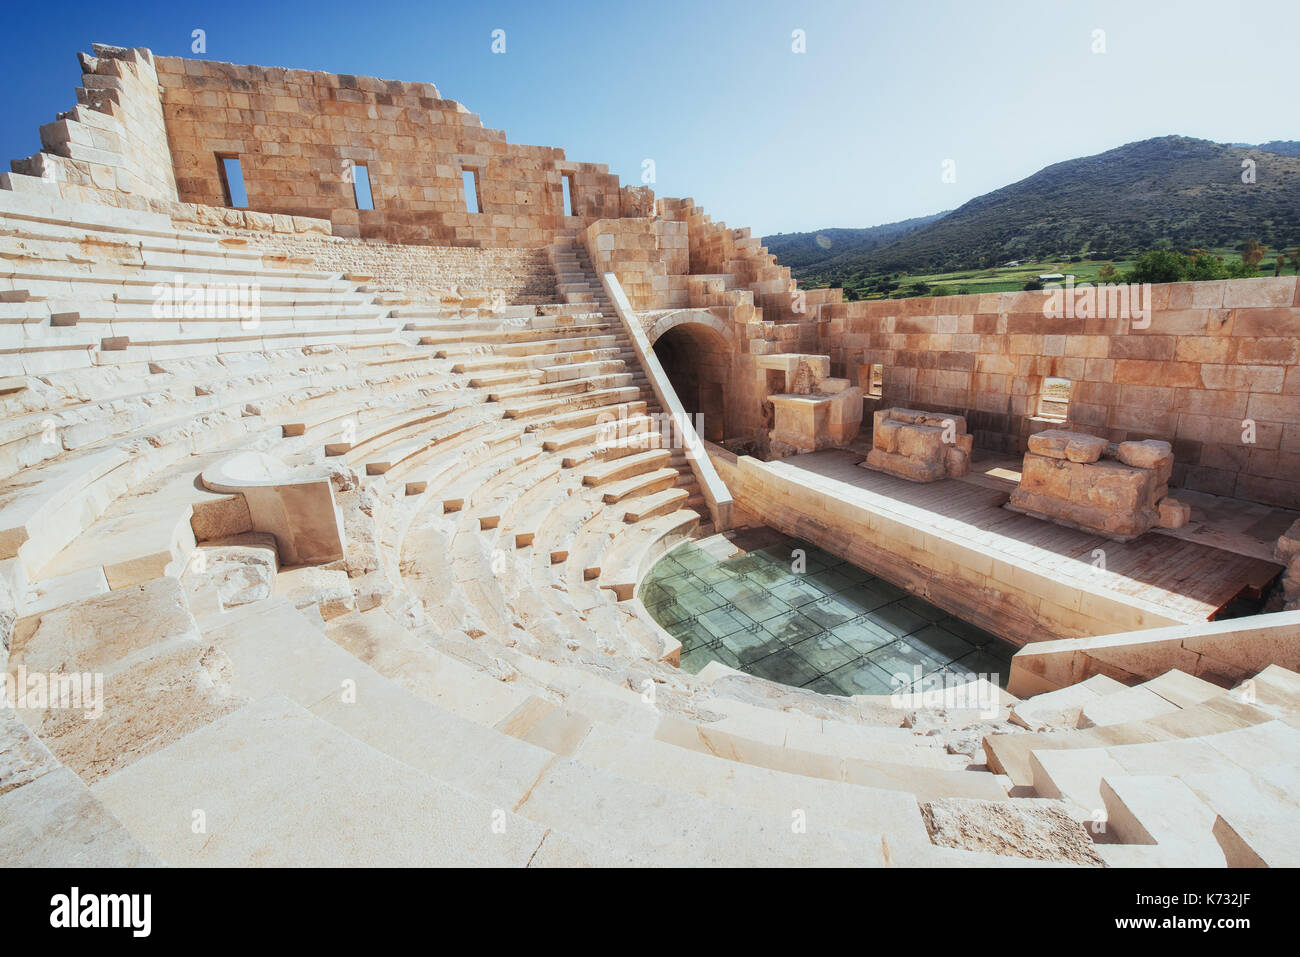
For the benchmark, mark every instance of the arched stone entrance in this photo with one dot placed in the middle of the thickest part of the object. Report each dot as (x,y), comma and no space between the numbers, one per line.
(697,358)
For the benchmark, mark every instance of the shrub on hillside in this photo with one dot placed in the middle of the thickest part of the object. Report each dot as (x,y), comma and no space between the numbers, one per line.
(1164,265)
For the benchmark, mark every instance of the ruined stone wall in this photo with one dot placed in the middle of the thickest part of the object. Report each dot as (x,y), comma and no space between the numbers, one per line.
(425,273)
(297,134)
(1215,368)
(112,147)
(650,256)
(716,249)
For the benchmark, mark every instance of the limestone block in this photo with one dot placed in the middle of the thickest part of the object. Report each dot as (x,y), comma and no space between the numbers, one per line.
(956,461)
(922,442)
(235,572)
(220,518)
(1102,484)
(920,446)
(1114,507)
(1173,513)
(1074,446)
(1148,454)
(905,466)
(329,589)
(1288,544)
(1027,827)
(845,414)
(125,624)
(22,756)
(885,435)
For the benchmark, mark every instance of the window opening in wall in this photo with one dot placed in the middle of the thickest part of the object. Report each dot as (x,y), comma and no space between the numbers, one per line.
(1054,402)
(470,178)
(567,183)
(361,186)
(232,181)
(876,381)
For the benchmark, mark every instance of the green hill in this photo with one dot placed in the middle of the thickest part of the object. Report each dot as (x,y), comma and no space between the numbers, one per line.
(798,250)
(1171,190)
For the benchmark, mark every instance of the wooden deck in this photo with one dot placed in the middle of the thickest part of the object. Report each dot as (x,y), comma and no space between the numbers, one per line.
(1190,580)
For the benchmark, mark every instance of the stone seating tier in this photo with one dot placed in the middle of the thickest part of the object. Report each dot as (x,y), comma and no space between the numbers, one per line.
(483,609)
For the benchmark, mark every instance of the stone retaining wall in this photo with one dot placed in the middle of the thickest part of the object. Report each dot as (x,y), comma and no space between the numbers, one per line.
(1214,373)
(298,133)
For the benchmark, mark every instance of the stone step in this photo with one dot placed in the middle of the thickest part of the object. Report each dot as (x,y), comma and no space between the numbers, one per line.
(56,821)
(643,483)
(655,504)
(278,786)
(625,467)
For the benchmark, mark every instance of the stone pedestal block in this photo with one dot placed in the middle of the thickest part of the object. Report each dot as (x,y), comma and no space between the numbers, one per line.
(1082,482)
(919,446)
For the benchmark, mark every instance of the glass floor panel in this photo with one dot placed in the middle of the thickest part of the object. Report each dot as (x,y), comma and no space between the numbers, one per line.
(800,616)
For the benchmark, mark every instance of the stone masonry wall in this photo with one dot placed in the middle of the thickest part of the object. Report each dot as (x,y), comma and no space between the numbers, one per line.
(297,132)
(112,147)
(649,255)
(1215,373)
(425,273)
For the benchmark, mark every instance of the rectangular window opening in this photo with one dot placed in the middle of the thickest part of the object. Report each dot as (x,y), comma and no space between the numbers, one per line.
(232,182)
(470,178)
(566,182)
(1054,402)
(876,381)
(361,186)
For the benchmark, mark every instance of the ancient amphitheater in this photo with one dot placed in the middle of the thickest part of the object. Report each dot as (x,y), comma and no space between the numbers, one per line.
(521,520)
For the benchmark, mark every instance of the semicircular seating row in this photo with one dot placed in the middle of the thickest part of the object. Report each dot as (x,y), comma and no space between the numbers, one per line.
(467,669)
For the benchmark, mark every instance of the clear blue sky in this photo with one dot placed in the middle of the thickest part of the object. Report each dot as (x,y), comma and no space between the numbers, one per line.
(851,133)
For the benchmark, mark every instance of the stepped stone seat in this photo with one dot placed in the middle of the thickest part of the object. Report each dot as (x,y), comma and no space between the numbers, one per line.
(55,821)
(1079,481)
(295,505)
(919,446)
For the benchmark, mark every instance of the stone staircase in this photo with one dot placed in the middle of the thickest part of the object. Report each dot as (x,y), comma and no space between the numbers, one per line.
(577,282)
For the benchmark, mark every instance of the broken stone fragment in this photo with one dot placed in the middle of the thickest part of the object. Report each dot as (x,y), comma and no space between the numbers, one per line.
(1074,446)
(1173,513)
(1148,454)
(1288,544)
(1035,828)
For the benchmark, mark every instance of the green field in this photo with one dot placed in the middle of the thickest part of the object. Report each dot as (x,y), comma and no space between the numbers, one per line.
(1004,278)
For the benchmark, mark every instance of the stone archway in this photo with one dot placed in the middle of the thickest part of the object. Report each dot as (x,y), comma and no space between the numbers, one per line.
(697,358)
(668,321)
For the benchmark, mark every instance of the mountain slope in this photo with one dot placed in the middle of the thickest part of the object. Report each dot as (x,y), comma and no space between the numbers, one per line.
(1186,191)
(797,250)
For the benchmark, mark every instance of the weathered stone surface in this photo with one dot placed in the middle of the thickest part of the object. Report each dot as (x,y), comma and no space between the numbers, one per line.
(921,470)
(103,632)
(1075,446)
(1072,479)
(1148,454)
(329,589)
(22,756)
(1031,828)
(221,518)
(919,446)
(1103,496)
(237,572)
(1173,513)
(55,821)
